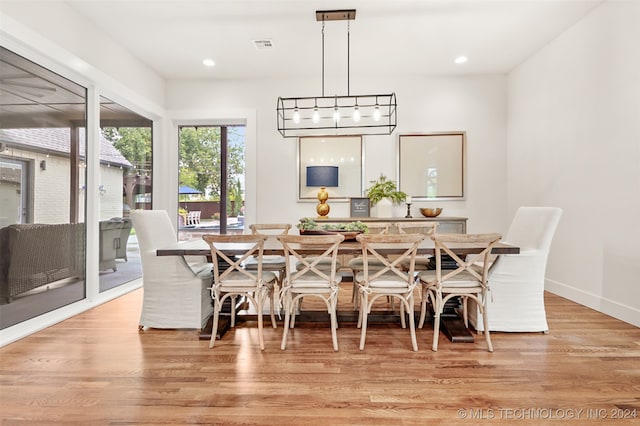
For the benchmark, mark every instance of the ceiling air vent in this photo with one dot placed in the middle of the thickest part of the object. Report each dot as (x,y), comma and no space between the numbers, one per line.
(264,44)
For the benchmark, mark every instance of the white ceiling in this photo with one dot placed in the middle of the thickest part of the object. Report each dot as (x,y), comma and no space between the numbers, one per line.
(395,37)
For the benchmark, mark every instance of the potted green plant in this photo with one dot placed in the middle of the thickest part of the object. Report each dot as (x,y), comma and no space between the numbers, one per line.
(384,193)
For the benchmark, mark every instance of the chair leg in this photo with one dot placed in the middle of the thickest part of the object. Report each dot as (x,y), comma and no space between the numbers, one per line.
(334,324)
(412,326)
(436,331)
(233,311)
(437,308)
(214,328)
(295,308)
(272,308)
(355,299)
(259,309)
(360,310)
(287,317)
(423,308)
(403,321)
(465,315)
(485,321)
(364,309)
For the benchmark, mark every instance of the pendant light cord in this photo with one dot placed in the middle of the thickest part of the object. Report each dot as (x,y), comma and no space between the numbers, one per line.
(323,58)
(348,54)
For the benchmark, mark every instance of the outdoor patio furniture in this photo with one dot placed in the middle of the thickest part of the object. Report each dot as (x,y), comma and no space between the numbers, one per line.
(34,255)
(114,234)
(193,218)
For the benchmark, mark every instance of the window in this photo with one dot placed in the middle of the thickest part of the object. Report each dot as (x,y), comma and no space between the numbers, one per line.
(211,180)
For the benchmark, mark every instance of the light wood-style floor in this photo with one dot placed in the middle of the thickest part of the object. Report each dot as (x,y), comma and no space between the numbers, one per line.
(96,368)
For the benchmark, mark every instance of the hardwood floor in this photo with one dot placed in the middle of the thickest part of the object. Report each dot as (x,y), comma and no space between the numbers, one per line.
(96,368)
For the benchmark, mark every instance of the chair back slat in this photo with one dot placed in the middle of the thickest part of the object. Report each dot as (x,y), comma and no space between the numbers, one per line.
(270,228)
(326,247)
(378,228)
(426,228)
(219,245)
(468,265)
(371,244)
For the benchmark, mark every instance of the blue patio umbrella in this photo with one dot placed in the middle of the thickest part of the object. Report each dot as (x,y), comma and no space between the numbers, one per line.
(186,190)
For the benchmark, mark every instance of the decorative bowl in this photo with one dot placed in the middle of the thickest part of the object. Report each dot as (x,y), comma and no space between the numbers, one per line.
(430,212)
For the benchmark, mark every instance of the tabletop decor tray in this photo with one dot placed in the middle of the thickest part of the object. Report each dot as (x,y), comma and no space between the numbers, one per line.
(348,235)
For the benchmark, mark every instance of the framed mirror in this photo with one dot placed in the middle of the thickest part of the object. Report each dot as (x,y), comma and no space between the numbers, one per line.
(432,166)
(334,162)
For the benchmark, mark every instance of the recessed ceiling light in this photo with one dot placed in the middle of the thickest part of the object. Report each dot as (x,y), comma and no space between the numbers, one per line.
(209,62)
(460,60)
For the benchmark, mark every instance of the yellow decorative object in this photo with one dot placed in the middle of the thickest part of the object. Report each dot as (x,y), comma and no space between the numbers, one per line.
(322,177)
(323,208)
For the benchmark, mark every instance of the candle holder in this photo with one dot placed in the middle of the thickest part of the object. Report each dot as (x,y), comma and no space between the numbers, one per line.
(408,216)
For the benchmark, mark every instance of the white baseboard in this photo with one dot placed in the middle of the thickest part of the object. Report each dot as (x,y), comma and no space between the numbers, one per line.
(609,307)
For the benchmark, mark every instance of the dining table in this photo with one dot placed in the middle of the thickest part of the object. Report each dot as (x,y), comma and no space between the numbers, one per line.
(451,324)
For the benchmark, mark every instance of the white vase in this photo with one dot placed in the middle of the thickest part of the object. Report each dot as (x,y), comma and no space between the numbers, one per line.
(384,208)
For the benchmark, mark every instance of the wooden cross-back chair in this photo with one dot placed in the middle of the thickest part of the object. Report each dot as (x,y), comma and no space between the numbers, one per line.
(232,279)
(274,263)
(426,228)
(356,266)
(468,280)
(310,277)
(389,280)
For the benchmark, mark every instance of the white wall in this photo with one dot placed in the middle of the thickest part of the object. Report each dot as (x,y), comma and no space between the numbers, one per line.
(111,198)
(573,142)
(60,25)
(476,105)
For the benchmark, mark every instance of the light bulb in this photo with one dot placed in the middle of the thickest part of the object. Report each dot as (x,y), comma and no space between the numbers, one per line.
(336,115)
(356,114)
(316,115)
(296,116)
(376,113)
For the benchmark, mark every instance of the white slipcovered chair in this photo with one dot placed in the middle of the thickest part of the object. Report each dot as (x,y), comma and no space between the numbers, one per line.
(176,293)
(516,303)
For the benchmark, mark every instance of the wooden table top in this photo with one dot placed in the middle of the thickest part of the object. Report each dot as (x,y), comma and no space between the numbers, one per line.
(200,248)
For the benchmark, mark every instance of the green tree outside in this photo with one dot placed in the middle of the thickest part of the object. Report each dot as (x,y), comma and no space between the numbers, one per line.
(134,143)
(199,163)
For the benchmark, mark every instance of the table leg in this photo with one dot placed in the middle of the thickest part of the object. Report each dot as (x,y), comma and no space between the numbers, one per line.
(224,322)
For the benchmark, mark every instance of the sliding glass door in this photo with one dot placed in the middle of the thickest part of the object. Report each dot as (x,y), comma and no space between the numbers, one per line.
(126,151)
(42,190)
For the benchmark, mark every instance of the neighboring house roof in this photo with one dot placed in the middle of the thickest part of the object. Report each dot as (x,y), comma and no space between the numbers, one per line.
(56,140)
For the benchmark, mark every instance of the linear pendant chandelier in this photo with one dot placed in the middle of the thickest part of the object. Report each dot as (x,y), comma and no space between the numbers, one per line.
(339,114)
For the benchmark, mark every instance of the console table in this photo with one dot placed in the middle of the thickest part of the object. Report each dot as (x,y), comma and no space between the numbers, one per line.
(450,225)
